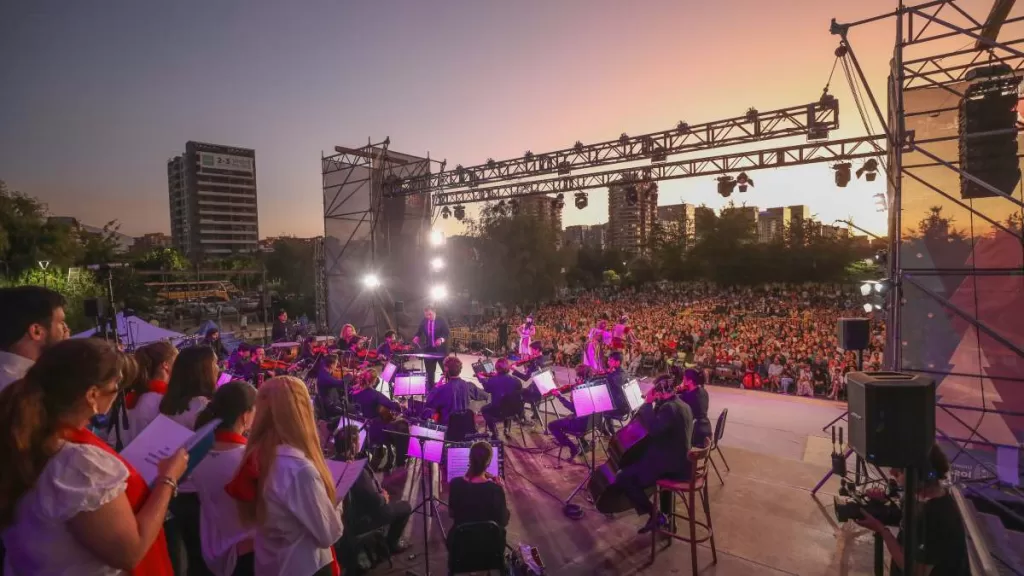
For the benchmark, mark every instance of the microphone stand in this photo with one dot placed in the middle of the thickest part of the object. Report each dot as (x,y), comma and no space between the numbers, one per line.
(428,501)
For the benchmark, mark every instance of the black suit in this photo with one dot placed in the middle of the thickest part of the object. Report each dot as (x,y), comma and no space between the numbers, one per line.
(453,397)
(668,427)
(531,395)
(697,400)
(279,332)
(498,387)
(366,510)
(426,340)
(616,380)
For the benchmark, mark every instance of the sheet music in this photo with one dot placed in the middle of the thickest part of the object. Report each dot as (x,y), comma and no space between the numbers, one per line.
(458,463)
(488,366)
(545,381)
(433,448)
(162,438)
(345,475)
(388,372)
(361,424)
(224,378)
(592,399)
(410,385)
(633,395)
(384,388)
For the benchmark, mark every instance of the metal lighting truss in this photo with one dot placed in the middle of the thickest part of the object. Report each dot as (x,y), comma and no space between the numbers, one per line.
(924,25)
(811,153)
(814,120)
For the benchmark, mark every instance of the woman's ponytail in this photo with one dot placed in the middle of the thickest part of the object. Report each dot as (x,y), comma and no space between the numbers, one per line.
(229,403)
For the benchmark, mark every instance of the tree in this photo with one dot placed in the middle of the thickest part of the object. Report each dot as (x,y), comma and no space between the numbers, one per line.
(27,237)
(162,260)
(517,257)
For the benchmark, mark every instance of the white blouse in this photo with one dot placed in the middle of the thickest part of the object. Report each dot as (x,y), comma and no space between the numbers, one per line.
(188,417)
(78,478)
(302,523)
(142,415)
(220,527)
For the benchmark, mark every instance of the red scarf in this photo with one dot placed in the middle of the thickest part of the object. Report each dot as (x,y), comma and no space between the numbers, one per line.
(156,562)
(245,485)
(229,437)
(132,397)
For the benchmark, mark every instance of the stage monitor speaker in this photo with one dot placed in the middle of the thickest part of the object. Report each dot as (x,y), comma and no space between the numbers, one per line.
(892,417)
(399,306)
(95,307)
(854,333)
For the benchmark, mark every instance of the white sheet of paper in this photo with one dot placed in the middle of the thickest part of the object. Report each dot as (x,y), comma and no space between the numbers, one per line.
(411,385)
(388,372)
(633,394)
(162,438)
(433,448)
(545,381)
(590,399)
(345,475)
(458,462)
(347,420)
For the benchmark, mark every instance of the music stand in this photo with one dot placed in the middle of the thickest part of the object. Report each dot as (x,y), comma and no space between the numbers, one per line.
(419,436)
(590,399)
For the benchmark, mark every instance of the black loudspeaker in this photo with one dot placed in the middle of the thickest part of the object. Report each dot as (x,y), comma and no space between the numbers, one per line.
(399,306)
(95,307)
(854,333)
(892,417)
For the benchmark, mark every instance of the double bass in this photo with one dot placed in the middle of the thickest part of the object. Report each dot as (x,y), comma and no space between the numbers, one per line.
(626,447)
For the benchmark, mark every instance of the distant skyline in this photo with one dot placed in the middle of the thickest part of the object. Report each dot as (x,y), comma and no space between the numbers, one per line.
(97,97)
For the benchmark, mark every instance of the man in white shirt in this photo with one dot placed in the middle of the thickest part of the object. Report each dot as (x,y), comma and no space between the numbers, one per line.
(31,320)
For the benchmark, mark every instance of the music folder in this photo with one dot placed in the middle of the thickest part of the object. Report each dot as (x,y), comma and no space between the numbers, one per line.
(388,372)
(545,381)
(345,475)
(488,366)
(458,462)
(357,422)
(162,438)
(633,395)
(432,449)
(590,399)
(410,385)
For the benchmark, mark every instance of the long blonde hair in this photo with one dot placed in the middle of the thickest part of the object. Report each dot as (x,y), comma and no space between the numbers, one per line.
(284,415)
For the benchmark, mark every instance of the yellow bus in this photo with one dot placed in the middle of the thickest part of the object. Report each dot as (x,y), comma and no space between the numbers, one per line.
(194,290)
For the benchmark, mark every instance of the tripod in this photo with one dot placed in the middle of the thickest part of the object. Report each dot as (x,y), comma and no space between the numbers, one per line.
(428,505)
(575,511)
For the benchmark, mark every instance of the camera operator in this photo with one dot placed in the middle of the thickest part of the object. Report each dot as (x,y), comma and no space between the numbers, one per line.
(941,540)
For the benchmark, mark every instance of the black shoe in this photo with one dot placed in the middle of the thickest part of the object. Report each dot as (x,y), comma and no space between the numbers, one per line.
(658,521)
(584,445)
(574,451)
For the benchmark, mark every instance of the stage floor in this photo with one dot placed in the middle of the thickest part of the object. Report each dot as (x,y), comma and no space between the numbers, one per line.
(766,521)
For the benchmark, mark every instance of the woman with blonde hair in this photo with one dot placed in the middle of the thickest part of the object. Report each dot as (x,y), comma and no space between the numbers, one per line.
(284,487)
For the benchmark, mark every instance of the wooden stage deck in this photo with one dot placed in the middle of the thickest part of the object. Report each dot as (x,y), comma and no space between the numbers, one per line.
(766,521)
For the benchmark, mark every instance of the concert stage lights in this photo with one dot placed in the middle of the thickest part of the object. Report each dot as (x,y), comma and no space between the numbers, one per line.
(460,212)
(743,181)
(371,281)
(438,292)
(446,212)
(726,185)
(869,308)
(436,238)
(437,264)
(869,170)
(581,200)
(842,174)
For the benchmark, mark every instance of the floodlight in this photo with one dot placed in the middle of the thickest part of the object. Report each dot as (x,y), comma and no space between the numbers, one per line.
(437,264)
(436,238)
(581,200)
(446,212)
(842,174)
(371,281)
(438,292)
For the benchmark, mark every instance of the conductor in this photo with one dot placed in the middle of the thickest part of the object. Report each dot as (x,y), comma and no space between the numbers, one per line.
(432,337)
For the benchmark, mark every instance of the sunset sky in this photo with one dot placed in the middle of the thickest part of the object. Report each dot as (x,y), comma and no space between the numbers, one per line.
(96,96)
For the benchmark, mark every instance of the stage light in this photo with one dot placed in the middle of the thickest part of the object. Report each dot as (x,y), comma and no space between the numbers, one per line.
(437,264)
(446,212)
(460,212)
(581,200)
(869,170)
(867,287)
(371,281)
(438,292)
(726,185)
(743,181)
(842,174)
(436,238)
(869,308)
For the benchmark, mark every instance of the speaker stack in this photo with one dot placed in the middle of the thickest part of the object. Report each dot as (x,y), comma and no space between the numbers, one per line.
(892,417)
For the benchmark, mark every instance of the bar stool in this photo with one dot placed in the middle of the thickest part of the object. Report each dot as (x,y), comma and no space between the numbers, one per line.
(688,491)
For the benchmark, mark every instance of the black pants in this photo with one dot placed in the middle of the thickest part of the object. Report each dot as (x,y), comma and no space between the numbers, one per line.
(492,414)
(185,511)
(430,366)
(246,565)
(394,515)
(634,482)
(563,428)
(531,396)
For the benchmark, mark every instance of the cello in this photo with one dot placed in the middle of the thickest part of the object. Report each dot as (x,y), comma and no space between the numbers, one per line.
(626,447)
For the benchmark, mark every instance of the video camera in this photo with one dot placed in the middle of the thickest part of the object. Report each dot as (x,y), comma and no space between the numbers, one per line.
(854,506)
(855,499)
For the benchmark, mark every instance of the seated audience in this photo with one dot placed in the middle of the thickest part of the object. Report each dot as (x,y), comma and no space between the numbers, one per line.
(227,547)
(284,487)
(73,506)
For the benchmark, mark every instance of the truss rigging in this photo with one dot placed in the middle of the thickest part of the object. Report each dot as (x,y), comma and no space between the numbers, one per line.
(814,120)
(810,153)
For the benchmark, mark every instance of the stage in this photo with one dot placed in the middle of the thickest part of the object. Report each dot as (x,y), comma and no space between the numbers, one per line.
(766,521)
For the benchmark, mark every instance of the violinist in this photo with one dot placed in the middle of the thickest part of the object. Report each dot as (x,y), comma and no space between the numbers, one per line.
(454,395)
(309,349)
(373,405)
(349,340)
(389,346)
(330,388)
(532,363)
(692,392)
(240,363)
(499,386)
(571,425)
(616,381)
(668,422)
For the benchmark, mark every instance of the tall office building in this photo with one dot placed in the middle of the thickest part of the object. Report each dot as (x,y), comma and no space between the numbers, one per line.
(798,215)
(702,215)
(546,209)
(212,191)
(772,224)
(582,235)
(749,213)
(632,211)
(677,220)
